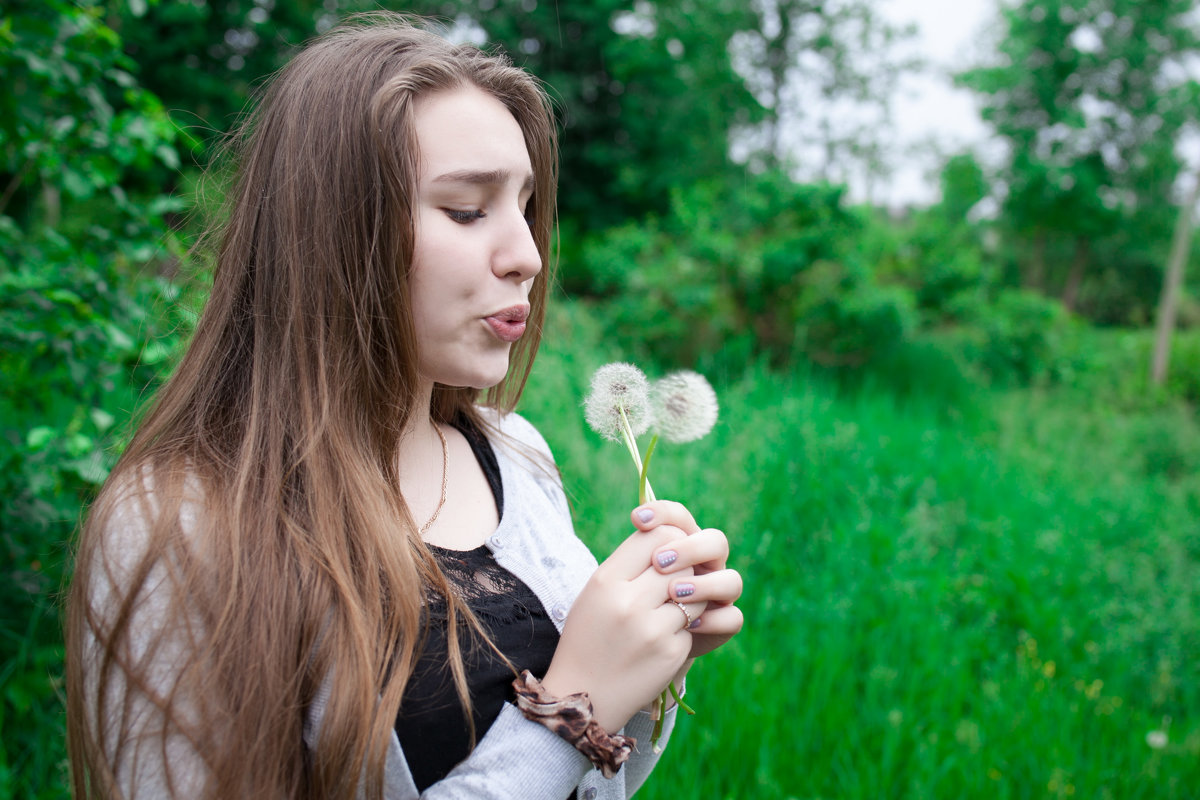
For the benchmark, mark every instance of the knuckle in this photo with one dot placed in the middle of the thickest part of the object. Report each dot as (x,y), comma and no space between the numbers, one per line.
(669,533)
(718,538)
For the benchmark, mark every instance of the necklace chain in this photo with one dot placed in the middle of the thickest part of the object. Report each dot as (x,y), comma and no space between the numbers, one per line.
(445,469)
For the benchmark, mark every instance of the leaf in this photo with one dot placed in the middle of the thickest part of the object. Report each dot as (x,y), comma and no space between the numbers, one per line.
(39,437)
(102,419)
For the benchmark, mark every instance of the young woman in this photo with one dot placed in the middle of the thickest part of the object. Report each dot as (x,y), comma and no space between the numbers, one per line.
(325,556)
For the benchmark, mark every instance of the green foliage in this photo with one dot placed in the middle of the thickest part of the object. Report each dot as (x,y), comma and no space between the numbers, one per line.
(82,330)
(1017,337)
(75,126)
(203,59)
(761,266)
(73,357)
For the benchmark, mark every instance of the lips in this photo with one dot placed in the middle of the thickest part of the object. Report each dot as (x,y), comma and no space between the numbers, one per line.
(508,325)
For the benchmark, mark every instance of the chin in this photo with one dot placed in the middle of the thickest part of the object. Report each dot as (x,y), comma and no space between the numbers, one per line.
(481,380)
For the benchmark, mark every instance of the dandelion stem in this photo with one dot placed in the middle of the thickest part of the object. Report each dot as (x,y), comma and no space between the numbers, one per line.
(679,699)
(644,491)
(631,446)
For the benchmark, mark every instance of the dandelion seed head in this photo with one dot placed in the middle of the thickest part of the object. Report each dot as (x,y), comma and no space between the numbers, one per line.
(617,387)
(1156,739)
(685,406)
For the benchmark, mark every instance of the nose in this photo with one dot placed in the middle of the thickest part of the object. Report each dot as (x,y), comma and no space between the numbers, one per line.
(516,254)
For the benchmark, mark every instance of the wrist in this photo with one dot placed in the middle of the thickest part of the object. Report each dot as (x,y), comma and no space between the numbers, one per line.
(611,710)
(572,718)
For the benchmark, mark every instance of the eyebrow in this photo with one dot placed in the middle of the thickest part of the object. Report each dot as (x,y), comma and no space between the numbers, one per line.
(486,177)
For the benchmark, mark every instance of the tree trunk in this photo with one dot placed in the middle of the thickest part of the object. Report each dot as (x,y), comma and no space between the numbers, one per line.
(1172,280)
(1035,276)
(1075,276)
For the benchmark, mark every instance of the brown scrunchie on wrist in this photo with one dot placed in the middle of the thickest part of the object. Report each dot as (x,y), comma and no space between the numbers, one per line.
(571,718)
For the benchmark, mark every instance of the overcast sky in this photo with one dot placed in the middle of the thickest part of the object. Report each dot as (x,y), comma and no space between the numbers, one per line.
(951,35)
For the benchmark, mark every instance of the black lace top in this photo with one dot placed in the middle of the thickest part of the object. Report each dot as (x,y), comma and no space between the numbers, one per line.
(431,726)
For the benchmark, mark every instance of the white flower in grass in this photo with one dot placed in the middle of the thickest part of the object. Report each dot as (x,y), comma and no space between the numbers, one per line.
(1156,739)
(618,389)
(685,406)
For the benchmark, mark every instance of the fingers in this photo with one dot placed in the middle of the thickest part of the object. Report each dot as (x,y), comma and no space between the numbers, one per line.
(648,516)
(680,617)
(632,556)
(716,625)
(707,548)
(723,588)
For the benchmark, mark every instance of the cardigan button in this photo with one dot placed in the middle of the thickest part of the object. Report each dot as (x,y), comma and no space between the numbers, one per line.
(589,793)
(496,542)
(559,613)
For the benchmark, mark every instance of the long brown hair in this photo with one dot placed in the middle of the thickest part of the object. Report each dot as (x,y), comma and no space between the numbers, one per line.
(269,536)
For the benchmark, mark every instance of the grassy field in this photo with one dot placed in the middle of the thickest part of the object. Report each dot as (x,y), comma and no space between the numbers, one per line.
(962,593)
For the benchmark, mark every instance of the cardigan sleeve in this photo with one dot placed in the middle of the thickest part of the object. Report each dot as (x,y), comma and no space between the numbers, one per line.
(518,758)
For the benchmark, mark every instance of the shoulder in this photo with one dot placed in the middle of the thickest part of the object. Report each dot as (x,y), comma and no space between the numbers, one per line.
(141,522)
(517,436)
(526,463)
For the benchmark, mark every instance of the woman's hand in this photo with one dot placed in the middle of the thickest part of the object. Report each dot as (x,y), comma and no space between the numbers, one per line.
(698,574)
(623,640)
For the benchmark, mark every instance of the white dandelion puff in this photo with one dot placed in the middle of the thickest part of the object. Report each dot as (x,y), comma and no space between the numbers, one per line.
(1157,740)
(685,406)
(620,395)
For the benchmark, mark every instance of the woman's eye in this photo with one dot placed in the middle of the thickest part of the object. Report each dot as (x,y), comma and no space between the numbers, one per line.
(465,217)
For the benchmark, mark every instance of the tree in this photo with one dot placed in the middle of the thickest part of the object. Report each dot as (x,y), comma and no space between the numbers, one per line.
(826,70)
(204,59)
(1172,280)
(1090,97)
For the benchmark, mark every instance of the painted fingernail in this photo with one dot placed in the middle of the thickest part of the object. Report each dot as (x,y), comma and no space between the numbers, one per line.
(684,589)
(666,558)
(695,623)
(645,514)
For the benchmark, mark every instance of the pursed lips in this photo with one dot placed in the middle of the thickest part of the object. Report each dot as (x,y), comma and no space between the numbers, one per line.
(508,324)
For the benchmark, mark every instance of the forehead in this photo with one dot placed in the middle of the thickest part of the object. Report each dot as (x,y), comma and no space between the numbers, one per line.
(468,129)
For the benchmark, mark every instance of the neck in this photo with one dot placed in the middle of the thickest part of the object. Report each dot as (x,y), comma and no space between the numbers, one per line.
(418,431)
(421,460)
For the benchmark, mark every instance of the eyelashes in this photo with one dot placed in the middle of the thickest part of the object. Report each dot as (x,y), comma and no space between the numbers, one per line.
(465,217)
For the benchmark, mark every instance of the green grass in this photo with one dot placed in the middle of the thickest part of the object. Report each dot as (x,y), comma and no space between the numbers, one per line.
(997,599)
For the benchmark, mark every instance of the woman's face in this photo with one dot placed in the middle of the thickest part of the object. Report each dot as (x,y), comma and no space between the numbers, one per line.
(474,258)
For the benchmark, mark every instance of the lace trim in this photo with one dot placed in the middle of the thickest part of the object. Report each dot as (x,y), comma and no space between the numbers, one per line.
(492,593)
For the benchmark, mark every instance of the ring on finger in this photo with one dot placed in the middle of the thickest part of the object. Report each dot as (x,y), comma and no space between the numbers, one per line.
(686,616)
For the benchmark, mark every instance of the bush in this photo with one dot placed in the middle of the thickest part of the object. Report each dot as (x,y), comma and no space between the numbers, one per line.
(1018,338)
(767,266)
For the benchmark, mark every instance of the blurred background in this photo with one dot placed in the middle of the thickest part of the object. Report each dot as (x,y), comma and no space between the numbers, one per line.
(936,258)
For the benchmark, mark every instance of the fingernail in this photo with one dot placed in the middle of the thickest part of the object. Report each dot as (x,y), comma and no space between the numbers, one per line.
(645,514)
(666,558)
(684,589)
(695,623)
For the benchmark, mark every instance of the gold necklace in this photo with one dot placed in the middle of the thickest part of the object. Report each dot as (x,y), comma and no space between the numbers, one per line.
(445,470)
